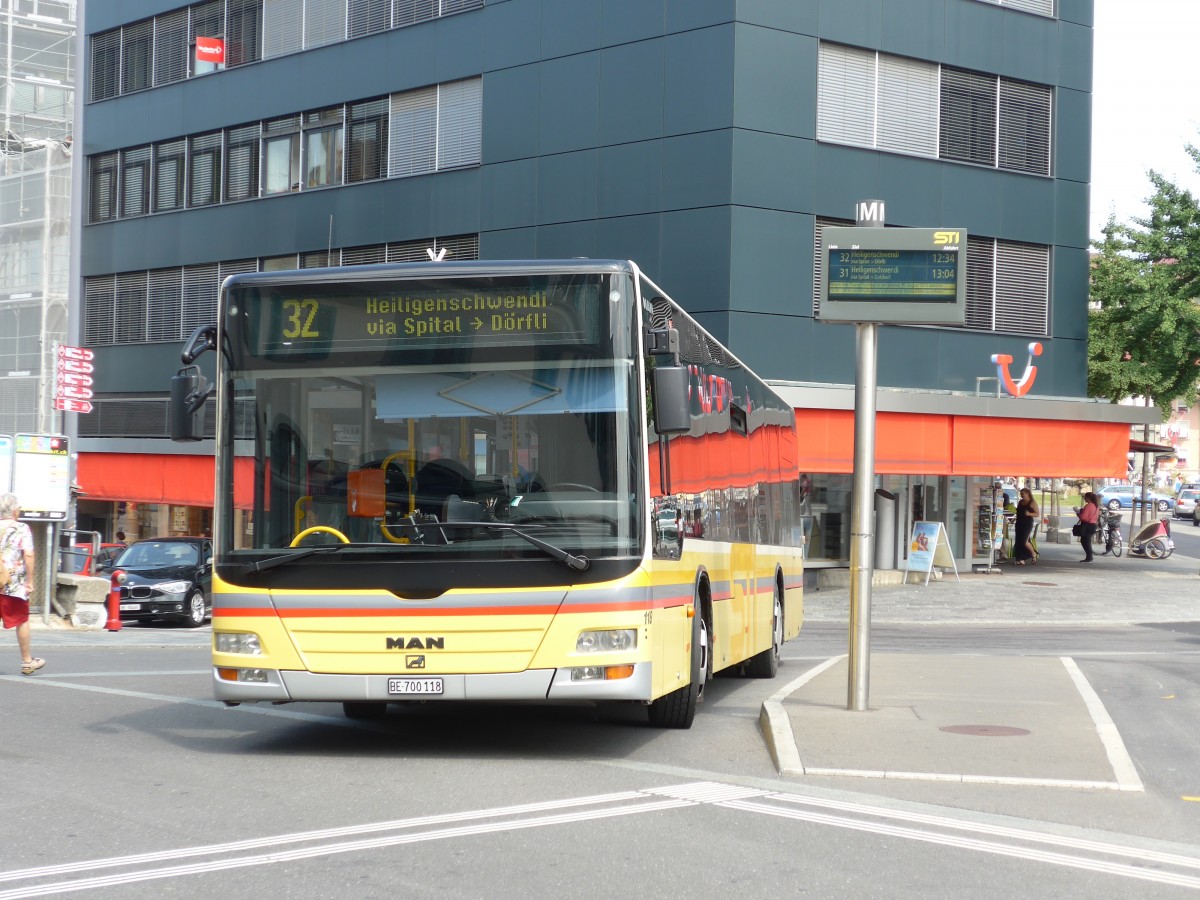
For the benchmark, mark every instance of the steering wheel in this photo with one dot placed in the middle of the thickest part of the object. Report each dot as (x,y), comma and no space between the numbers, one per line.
(572,486)
(318,528)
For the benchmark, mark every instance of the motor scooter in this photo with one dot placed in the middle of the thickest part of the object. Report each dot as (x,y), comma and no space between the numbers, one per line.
(1153,540)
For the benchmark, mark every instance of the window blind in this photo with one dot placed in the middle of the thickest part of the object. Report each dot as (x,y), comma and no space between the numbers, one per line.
(171,47)
(283,27)
(368,17)
(846,95)
(200,287)
(137,57)
(367,150)
(135,181)
(99,297)
(204,169)
(243,31)
(1022,288)
(324,22)
(130,308)
(1024,129)
(164,308)
(460,123)
(105,78)
(102,188)
(908,106)
(968,117)
(412,140)
(169,175)
(241,162)
(981,283)
(409,12)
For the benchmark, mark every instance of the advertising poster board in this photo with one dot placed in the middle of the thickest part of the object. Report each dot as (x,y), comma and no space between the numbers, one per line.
(929,547)
(41,476)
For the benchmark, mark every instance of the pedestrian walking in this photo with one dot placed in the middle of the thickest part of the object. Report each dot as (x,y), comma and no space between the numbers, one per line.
(16,559)
(1028,513)
(1089,516)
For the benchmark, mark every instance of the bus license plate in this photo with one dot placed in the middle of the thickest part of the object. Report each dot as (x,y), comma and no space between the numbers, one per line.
(405,687)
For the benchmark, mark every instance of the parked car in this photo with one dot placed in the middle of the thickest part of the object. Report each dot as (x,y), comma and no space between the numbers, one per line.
(1188,486)
(166,578)
(1125,496)
(1185,503)
(78,559)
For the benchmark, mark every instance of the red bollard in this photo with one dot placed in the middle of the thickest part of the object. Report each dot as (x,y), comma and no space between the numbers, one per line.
(114,602)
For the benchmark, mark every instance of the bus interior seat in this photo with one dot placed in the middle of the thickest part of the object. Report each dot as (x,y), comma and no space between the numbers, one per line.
(437,480)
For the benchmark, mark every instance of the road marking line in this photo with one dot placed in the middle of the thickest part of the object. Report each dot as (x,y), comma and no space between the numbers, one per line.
(1114,747)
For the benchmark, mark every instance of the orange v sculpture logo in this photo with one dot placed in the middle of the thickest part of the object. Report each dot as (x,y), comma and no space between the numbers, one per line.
(1017,388)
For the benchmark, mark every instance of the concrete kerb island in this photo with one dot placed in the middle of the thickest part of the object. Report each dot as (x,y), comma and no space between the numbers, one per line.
(970,719)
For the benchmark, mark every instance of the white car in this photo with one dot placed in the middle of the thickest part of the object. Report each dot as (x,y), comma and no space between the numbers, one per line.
(1185,503)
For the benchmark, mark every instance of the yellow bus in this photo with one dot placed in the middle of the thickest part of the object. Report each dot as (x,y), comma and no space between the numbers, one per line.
(489,481)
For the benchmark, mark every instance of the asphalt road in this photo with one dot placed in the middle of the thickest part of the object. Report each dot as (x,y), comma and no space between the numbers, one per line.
(124,779)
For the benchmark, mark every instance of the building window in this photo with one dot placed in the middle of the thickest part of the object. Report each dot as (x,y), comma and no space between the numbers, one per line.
(207,21)
(102,188)
(243,31)
(241,163)
(412,141)
(137,57)
(204,169)
(135,181)
(409,12)
(324,22)
(902,105)
(171,47)
(1039,7)
(105,78)
(169,159)
(283,27)
(281,155)
(323,148)
(367,17)
(167,304)
(460,114)
(367,152)
(1008,283)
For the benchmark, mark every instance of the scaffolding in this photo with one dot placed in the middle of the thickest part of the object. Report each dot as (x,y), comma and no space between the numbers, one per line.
(36,121)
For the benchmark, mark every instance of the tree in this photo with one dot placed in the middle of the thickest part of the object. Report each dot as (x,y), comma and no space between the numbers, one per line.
(1144,326)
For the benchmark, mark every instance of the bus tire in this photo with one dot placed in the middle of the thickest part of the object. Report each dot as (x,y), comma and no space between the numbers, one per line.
(766,664)
(678,708)
(364,711)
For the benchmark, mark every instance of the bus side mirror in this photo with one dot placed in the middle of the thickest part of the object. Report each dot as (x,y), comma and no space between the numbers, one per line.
(189,390)
(672,413)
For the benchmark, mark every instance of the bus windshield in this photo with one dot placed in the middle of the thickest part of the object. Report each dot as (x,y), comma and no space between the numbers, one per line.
(437,419)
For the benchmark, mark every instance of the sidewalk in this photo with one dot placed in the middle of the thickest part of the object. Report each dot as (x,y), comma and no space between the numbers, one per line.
(1008,720)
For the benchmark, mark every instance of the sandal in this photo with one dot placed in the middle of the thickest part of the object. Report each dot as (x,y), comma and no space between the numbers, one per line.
(28,668)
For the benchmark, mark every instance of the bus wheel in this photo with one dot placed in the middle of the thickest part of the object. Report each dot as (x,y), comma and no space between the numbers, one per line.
(766,664)
(678,708)
(364,711)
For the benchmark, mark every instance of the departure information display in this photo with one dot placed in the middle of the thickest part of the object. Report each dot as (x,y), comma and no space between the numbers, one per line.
(893,274)
(896,276)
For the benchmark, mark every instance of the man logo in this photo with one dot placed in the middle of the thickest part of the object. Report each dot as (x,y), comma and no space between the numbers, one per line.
(414,662)
(945,237)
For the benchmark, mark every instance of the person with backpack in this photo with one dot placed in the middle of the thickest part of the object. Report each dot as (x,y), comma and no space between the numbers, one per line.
(16,570)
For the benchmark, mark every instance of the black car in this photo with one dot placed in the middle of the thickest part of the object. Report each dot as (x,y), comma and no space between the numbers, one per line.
(166,578)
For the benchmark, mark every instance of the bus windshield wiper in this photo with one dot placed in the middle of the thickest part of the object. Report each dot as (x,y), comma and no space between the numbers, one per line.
(578,563)
(272,561)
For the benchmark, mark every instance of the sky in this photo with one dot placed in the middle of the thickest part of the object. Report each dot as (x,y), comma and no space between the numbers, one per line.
(1145,102)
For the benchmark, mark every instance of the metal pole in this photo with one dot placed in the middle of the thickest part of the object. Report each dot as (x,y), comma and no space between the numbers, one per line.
(861,561)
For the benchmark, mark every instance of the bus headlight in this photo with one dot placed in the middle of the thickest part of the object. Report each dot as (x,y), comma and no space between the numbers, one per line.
(238,642)
(606,641)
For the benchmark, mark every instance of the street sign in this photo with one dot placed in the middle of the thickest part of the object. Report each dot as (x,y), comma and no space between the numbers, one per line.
(75,379)
(75,365)
(80,353)
(78,406)
(70,392)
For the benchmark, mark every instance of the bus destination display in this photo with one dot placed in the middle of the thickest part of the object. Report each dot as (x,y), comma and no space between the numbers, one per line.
(856,274)
(317,321)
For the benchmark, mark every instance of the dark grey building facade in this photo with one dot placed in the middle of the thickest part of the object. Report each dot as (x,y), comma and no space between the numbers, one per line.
(709,140)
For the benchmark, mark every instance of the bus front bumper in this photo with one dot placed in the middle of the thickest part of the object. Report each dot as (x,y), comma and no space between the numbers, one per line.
(536,684)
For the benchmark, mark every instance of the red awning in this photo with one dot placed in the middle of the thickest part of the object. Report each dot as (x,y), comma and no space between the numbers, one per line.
(949,444)
(154,478)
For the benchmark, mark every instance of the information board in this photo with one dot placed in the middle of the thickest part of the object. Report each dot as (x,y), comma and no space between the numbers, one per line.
(899,276)
(41,475)
(929,548)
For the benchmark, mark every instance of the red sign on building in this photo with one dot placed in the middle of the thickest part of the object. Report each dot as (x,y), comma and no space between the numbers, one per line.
(210,50)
